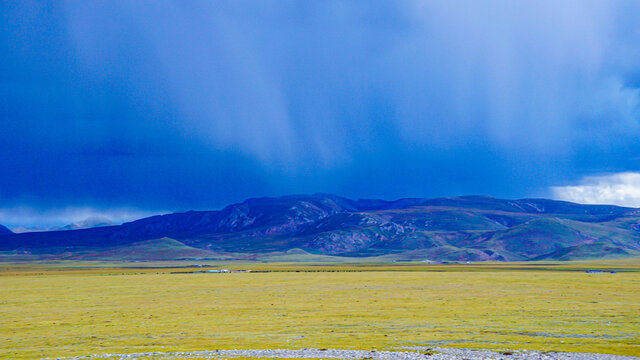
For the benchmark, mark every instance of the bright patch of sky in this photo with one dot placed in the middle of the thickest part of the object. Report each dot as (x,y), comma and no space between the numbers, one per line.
(619,189)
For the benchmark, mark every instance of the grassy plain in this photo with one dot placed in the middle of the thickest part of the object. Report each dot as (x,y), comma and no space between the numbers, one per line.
(70,309)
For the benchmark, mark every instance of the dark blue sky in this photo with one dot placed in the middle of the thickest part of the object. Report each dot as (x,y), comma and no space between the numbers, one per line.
(130,107)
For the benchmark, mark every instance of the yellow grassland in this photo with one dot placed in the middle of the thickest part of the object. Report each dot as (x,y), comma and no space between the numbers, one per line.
(70,309)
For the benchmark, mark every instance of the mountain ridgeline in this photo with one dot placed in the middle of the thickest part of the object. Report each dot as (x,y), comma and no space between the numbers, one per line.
(5,231)
(467,228)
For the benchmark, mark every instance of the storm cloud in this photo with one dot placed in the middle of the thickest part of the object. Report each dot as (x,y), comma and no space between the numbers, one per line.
(180,105)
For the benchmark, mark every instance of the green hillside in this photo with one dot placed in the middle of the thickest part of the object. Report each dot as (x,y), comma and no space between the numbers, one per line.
(153,250)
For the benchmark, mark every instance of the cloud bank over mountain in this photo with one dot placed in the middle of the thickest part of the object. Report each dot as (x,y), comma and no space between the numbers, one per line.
(619,189)
(22,218)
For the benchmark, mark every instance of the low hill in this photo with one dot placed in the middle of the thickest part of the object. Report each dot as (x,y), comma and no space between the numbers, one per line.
(152,250)
(589,251)
(460,228)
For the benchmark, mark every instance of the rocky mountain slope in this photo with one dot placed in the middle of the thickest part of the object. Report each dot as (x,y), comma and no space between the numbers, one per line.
(460,228)
(4,230)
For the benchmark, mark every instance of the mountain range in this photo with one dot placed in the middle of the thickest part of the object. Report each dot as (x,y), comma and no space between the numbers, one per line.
(329,227)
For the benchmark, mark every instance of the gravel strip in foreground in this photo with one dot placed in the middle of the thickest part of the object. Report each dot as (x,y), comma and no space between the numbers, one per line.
(417,353)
